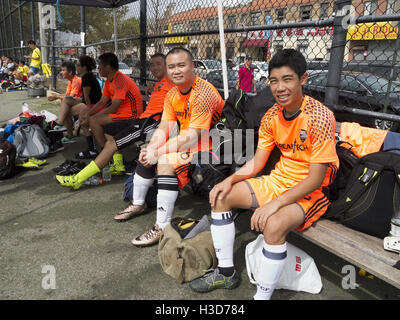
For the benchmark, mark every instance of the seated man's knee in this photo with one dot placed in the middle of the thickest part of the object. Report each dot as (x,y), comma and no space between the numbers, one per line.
(274,230)
(164,165)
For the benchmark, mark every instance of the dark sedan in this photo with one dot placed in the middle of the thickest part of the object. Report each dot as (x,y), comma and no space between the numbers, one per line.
(358,90)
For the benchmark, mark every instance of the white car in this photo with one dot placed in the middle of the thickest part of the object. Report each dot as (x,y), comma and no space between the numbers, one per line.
(260,70)
(123,67)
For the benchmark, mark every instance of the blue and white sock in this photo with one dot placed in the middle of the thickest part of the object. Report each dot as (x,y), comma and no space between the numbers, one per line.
(166,197)
(223,235)
(271,268)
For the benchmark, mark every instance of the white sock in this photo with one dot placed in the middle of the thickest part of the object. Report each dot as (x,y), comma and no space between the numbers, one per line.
(223,235)
(165,206)
(271,267)
(140,187)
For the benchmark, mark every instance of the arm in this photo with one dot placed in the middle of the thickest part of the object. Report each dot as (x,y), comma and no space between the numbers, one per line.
(85,114)
(313,181)
(251,168)
(86,94)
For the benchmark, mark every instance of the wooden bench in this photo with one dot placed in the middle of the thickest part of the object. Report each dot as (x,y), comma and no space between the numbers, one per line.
(360,249)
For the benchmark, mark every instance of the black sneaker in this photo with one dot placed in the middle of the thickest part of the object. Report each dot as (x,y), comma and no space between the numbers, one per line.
(214,280)
(73,169)
(66,164)
(55,147)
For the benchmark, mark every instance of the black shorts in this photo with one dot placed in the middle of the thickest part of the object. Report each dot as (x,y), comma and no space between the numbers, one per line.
(128,131)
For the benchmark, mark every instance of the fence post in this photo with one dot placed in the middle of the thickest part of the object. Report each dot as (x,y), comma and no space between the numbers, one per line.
(12,30)
(33,21)
(337,54)
(83,28)
(21,38)
(5,27)
(143,41)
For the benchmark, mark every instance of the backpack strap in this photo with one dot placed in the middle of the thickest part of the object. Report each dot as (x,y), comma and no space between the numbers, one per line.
(354,191)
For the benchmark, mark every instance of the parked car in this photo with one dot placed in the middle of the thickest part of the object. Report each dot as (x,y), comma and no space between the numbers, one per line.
(130,61)
(204,67)
(215,78)
(123,67)
(260,70)
(358,90)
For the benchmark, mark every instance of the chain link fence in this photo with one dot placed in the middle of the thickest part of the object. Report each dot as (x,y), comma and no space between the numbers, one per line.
(352,47)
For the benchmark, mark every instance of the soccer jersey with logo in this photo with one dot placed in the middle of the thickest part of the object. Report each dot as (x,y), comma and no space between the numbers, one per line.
(157,97)
(306,138)
(124,88)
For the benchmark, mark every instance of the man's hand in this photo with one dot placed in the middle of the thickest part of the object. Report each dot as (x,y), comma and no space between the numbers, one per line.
(261,215)
(148,157)
(220,190)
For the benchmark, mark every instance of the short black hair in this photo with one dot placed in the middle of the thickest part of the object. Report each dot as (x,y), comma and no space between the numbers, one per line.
(161,55)
(109,59)
(180,49)
(290,58)
(70,66)
(21,61)
(88,62)
(32,42)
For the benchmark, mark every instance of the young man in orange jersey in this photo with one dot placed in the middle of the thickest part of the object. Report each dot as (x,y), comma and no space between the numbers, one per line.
(196,105)
(291,197)
(126,104)
(120,134)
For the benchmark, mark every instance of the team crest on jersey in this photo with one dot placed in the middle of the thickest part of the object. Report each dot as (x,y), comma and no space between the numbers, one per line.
(303,135)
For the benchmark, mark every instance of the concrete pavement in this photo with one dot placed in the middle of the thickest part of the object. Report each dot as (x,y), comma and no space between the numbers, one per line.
(46,229)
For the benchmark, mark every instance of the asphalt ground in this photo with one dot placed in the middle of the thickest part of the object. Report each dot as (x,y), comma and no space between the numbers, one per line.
(48,230)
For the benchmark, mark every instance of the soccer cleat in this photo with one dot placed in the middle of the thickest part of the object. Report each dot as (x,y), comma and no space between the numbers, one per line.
(37,161)
(214,280)
(148,238)
(72,169)
(69,181)
(117,169)
(68,140)
(27,164)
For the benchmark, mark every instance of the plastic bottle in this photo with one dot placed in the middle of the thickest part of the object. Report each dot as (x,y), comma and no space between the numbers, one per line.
(106,173)
(25,107)
(93,181)
(395,224)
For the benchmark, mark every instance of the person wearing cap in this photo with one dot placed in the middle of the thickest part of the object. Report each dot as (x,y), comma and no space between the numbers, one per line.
(245,80)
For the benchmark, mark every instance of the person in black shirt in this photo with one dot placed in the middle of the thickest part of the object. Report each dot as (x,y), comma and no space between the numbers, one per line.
(91,94)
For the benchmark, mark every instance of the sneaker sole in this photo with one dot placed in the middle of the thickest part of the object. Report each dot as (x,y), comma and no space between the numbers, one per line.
(214,288)
(145,244)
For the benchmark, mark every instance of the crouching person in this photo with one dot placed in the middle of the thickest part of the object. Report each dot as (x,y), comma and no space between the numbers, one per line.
(292,196)
(196,105)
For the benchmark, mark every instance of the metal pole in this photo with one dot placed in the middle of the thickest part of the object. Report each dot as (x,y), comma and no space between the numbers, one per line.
(42,39)
(33,21)
(223,51)
(5,27)
(115,31)
(337,55)
(21,38)
(143,41)
(12,30)
(83,29)
(53,59)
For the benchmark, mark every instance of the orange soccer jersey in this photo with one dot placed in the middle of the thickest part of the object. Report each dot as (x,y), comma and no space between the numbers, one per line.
(157,98)
(124,88)
(198,109)
(74,87)
(307,138)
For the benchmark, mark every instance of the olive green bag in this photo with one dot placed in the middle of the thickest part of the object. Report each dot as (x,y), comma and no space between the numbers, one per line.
(188,258)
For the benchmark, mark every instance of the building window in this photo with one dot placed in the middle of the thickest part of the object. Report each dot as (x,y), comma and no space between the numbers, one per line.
(212,23)
(195,25)
(390,7)
(280,14)
(194,51)
(302,46)
(323,13)
(278,45)
(244,19)
(255,18)
(305,12)
(231,21)
(370,7)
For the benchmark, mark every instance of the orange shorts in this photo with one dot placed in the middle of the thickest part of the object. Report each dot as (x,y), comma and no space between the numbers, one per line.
(263,190)
(181,162)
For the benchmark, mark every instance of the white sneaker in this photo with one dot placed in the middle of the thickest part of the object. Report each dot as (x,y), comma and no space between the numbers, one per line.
(392,244)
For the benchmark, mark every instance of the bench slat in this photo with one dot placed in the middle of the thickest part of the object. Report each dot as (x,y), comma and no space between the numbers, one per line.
(358,248)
